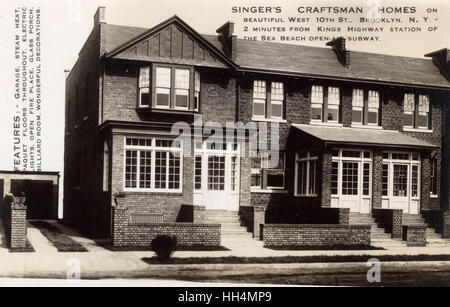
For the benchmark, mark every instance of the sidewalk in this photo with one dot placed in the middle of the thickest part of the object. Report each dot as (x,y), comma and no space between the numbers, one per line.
(100,262)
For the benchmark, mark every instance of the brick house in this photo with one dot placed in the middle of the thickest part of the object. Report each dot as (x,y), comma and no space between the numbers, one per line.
(357,131)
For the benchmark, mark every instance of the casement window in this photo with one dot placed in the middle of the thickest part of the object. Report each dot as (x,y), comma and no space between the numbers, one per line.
(197,91)
(268,100)
(433,177)
(365,107)
(325,104)
(306,174)
(153,165)
(268,177)
(416,111)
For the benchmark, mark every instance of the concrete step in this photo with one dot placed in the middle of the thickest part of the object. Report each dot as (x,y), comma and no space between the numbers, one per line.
(376,236)
(414,223)
(409,220)
(388,243)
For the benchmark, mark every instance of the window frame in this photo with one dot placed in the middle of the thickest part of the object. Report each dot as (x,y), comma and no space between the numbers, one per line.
(433,178)
(309,159)
(263,172)
(194,91)
(417,112)
(366,107)
(153,148)
(269,99)
(325,103)
(142,87)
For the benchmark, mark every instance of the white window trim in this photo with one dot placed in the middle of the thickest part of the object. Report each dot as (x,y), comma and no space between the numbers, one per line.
(308,161)
(153,148)
(182,89)
(361,159)
(390,161)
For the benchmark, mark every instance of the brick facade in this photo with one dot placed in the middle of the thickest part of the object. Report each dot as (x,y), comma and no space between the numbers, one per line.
(101,106)
(415,235)
(277,235)
(15,221)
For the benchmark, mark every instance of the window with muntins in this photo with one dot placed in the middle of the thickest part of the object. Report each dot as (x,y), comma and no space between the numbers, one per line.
(268,100)
(153,165)
(416,111)
(366,107)
(325,104)
(144,87)
(306,174)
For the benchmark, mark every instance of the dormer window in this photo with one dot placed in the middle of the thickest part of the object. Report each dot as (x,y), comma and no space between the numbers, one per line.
(416,111)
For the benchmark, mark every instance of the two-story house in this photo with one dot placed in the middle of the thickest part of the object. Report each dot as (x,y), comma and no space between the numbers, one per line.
(357,130)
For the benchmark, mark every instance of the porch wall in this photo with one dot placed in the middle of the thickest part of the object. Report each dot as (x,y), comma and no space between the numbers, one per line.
(167,204)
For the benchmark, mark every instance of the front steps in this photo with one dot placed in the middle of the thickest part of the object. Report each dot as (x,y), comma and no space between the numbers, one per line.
(232,227)
(378,236)
(433,238)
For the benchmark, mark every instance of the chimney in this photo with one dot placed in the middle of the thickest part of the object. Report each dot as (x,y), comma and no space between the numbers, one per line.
(67,72)
(338,46)
(99,16)
(441,59)
(227,39)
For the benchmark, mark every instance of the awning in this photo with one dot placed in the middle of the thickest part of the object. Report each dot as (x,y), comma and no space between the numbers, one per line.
(369,137)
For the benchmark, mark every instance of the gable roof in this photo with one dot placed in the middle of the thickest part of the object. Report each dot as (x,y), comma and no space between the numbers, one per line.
(179,22)
(299,60)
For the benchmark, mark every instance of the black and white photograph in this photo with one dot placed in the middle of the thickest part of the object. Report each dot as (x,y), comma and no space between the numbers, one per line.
(197,145)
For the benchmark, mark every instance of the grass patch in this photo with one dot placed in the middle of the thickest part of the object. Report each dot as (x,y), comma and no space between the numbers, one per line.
(324,248)
(112,248)
(296,259)
(62,242)
(27,249)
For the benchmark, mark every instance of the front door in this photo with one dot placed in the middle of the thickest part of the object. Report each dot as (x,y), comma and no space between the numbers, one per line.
(351,197)
(216,179)
(400,187)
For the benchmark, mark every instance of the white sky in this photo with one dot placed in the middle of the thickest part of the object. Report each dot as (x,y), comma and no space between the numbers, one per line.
(67,23)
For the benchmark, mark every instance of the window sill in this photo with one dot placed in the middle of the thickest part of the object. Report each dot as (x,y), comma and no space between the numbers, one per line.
(418,130)
(263,119)
(310,196)
(269,191)
(357,126)
(167,111)
(318,123)
(434,196)
(144,192)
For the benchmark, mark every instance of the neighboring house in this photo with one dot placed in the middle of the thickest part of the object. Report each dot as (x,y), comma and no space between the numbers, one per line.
(357,130)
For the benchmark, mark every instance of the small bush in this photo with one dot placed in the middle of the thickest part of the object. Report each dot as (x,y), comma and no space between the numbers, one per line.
(164,246)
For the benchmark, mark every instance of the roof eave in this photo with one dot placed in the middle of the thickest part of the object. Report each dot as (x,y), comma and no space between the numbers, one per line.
(331,77)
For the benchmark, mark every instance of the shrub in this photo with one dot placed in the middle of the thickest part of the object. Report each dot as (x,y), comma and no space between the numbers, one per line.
(164,246)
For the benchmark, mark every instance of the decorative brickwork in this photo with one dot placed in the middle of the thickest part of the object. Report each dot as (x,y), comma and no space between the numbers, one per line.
(415,235)
(377,179)
(315,235)
(259,218)
(325,189)
(344,216)
(446,225)
(188,234)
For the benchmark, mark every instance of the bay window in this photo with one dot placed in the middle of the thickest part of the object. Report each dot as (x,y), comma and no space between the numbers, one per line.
(169,87)
(306,174)
(268,100)
(153,165)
